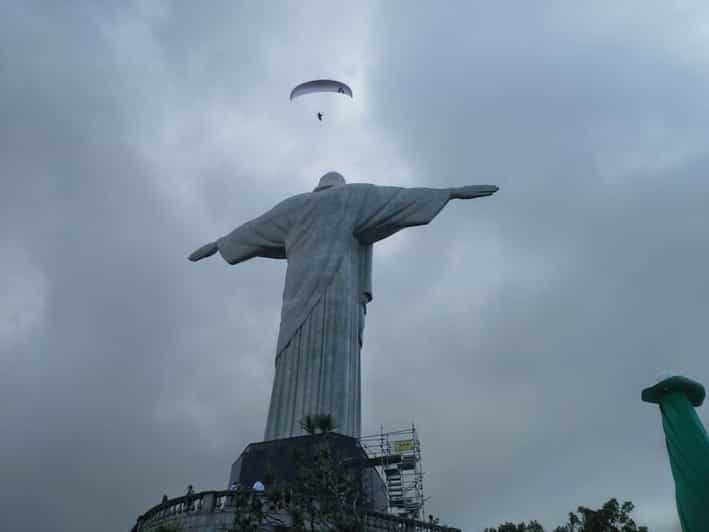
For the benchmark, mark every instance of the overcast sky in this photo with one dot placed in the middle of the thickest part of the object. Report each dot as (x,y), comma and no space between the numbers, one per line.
(516,331)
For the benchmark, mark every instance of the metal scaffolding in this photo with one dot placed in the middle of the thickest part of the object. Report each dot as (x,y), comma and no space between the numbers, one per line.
(397,457)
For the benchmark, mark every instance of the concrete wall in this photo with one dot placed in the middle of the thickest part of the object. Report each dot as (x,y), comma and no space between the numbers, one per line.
(208,511)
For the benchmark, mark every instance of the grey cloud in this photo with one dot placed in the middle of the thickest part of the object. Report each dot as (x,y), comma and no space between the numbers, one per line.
(516,331)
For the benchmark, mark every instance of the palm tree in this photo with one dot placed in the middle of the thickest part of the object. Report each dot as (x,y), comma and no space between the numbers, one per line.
(308,424)
(313,423)
(325,422)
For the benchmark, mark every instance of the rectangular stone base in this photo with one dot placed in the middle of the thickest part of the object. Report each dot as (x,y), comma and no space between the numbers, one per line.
(277,457)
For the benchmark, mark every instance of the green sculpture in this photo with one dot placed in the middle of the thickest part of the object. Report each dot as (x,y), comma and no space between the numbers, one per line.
(687,445)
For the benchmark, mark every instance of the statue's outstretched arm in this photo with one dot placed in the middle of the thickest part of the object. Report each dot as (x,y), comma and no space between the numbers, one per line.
(205,251)
(472,191)
(261,237)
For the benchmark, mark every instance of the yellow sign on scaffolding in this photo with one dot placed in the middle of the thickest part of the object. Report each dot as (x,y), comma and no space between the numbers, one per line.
(402,446)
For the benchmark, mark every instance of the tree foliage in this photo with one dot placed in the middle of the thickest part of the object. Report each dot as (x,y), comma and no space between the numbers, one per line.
(532,526)
(314,423)
(611,517)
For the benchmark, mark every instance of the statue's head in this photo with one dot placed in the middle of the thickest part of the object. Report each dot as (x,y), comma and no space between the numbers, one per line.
(331,179)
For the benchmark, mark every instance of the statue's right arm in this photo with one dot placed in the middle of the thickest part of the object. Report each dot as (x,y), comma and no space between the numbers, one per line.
(263,236)
(205,251)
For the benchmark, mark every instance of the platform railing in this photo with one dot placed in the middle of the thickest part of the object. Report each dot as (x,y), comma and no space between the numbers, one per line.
(206,502)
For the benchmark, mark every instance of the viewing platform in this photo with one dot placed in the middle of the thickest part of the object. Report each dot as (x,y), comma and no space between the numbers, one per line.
(212,511)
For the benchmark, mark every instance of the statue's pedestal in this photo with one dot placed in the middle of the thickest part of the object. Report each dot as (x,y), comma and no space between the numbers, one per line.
(276,458)
(213,511)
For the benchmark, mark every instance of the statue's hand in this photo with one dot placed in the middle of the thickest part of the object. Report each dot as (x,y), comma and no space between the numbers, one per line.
(205,251)
(473,191)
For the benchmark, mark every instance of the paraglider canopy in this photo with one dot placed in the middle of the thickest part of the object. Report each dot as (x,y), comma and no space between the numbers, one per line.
(321,85)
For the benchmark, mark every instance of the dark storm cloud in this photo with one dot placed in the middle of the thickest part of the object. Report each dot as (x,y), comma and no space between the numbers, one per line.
(133,133)
(80,387)
(593,131)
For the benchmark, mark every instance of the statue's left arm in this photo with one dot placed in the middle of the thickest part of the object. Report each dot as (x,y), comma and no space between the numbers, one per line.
(261,237)
(387,210)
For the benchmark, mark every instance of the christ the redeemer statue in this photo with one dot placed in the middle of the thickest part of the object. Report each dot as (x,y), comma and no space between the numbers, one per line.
(327,236)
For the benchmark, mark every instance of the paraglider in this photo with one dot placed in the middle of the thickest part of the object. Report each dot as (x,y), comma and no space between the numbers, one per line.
(321,85)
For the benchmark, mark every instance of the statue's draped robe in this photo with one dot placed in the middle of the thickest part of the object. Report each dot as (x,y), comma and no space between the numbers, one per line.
(327,237)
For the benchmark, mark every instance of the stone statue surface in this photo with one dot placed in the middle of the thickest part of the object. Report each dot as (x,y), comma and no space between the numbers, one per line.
(327,237)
